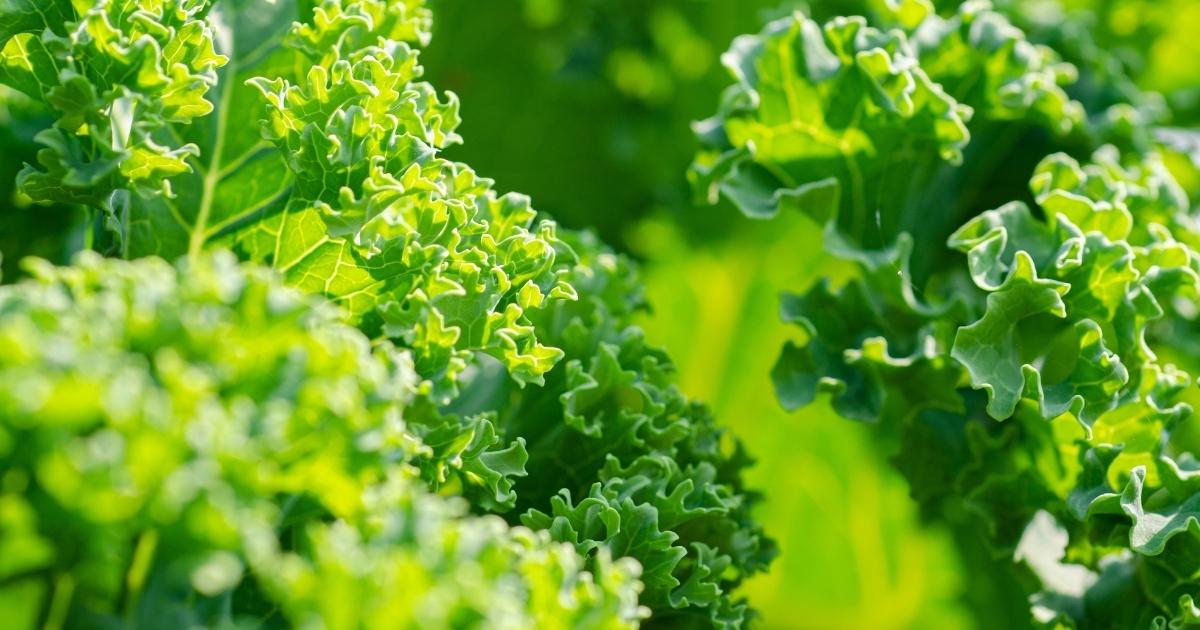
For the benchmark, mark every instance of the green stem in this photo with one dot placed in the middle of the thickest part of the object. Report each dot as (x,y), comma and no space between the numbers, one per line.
(60,602)
(213,175)
(139,568)
(89,233)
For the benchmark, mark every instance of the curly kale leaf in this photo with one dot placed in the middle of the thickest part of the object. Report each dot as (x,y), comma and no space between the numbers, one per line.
(1027,373)
(118,75)
(317,153)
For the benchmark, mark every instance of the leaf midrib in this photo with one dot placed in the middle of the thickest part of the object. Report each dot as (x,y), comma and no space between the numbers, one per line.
(213,175)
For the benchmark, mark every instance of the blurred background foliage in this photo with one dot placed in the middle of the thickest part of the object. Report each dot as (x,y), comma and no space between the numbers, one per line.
(585,105)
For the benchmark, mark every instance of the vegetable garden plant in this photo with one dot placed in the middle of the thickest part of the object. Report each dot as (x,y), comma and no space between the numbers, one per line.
(303,370)
(1024,295)
(367,390)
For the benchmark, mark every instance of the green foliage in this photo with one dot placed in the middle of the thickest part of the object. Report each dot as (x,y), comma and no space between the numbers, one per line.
(116,75)
(619,78)
(1010,312)
(853,552)
(648,470)
(201,446)
(505,366)
(1064,315)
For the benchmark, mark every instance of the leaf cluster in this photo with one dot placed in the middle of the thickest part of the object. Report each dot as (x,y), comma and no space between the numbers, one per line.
(1026,267)
(372,390)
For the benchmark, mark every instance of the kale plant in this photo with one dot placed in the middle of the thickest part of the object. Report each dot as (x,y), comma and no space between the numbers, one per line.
(1021,319)
(338,380)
